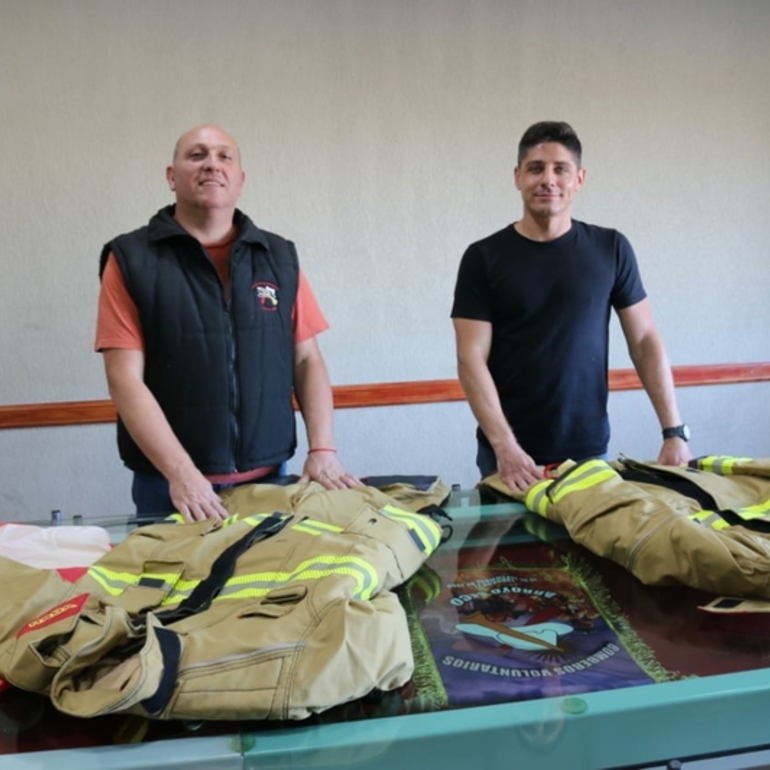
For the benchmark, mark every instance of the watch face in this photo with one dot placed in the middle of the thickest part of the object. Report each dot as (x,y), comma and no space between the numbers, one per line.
(686,432)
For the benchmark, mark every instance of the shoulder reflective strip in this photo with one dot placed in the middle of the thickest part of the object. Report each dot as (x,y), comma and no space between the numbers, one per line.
(709,519)
(722,464)
(758,511)
(316,527)
(427,530)
(366,576)
(536,498)
(590,474)
(115,583)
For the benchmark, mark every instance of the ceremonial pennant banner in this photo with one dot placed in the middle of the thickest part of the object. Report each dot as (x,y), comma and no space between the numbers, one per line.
(514,630)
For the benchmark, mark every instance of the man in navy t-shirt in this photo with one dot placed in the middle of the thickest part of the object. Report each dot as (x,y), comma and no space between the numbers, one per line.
(531,315)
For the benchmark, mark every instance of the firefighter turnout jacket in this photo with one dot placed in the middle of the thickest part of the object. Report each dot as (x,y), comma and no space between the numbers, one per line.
(706,525)
(280,611)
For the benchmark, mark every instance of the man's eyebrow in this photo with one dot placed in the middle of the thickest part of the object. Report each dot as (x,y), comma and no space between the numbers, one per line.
(216,148)
(564,162)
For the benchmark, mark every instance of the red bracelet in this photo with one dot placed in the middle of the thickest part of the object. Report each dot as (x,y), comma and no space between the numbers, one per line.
(322,449)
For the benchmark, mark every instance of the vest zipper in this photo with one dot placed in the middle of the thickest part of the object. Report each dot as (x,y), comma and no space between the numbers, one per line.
(235,395)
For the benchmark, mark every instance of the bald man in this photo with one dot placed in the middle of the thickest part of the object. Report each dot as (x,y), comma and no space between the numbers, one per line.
(207,327)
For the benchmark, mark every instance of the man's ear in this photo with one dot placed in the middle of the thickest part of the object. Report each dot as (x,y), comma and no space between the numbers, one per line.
(516,175)
(170,178)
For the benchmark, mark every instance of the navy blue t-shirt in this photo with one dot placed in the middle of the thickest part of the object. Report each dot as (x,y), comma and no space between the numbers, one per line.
(549,306)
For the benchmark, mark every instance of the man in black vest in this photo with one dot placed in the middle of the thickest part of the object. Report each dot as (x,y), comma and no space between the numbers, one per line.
(208,327)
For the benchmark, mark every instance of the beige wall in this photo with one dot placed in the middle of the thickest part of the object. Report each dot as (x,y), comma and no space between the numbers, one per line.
(380,136)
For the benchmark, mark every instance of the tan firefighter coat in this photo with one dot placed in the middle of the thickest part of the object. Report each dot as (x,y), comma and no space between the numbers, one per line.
(282,611)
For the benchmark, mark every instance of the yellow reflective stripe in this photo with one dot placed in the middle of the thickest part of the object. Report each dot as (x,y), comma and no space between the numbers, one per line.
(306,530)
(758,511)
(260,583)
(180,592)
(114,583)
(253,585)
(536,498)
(318,527)
(537,526)
(589,475)
(177,517)
(242,592)
(709,519)
(326,525)
(428,582)
(427,531)
(722,464)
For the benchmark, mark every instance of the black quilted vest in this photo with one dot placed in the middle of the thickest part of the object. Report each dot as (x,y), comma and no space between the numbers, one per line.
(222,371)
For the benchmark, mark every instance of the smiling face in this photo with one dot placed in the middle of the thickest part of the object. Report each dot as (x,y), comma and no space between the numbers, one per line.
(206,170)
(548,177)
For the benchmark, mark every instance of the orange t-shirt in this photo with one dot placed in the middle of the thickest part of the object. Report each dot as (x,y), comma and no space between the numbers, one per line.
(118,325)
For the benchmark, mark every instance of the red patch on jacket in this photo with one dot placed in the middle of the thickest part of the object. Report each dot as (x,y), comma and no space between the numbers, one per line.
(55,614)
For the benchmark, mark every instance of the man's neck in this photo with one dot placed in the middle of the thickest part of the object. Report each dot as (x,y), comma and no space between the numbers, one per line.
(543,228)
(209,226)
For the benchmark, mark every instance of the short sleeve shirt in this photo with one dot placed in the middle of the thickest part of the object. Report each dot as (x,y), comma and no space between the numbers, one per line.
(549,305)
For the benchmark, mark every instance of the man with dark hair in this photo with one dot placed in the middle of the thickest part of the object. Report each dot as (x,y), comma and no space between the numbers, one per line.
(531,317)
(551,131)
(208,327)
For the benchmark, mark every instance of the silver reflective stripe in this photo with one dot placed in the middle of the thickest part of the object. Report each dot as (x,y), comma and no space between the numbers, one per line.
(426,530)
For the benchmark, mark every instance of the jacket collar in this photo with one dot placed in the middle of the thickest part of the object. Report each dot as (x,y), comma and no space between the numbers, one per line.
(163,226)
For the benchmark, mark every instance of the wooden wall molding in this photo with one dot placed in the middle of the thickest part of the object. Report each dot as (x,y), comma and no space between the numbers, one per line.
(378,394)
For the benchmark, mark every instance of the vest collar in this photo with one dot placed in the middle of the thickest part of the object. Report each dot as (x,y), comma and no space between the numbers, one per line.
(163,226)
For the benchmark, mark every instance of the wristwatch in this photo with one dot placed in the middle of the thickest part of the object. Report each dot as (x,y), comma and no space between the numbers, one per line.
(678,431)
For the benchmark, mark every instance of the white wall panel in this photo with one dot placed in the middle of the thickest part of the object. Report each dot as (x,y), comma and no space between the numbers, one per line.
(380,136)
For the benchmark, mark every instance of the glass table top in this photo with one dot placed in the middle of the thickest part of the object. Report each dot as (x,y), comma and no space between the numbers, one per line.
(507,610)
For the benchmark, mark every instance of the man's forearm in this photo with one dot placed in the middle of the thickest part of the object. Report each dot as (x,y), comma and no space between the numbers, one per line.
(652,366)
(314,395)
(149,428)
(484,401)
(190,492)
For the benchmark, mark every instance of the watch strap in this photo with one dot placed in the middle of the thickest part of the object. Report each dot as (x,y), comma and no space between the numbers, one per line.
(677,431)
